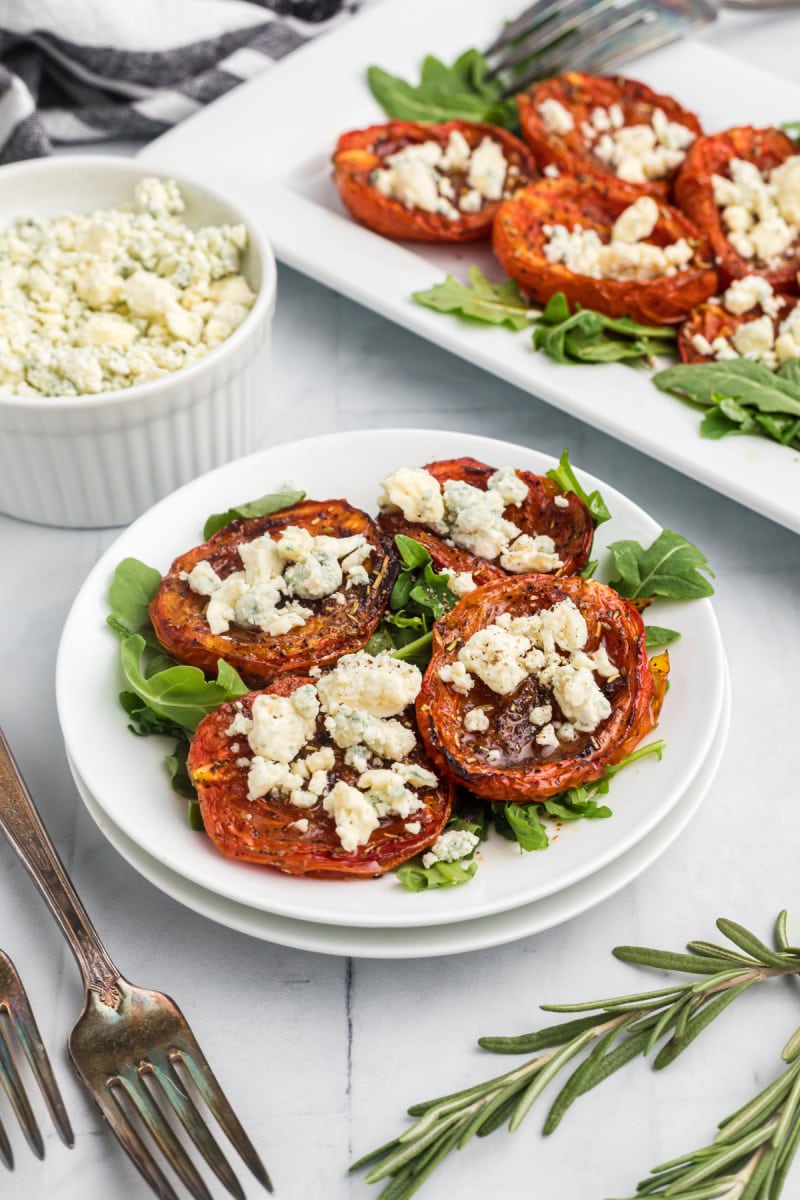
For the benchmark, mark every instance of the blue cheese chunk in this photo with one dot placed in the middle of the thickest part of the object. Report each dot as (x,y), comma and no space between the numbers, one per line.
(451,846)
(354,816)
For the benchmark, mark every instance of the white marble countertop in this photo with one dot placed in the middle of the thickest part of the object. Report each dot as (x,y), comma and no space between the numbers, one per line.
(321,1055)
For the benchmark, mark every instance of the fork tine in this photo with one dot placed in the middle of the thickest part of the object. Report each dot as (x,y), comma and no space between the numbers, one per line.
(5,1148)
(544,33)
(21,1015)
(552,63)
(9,1077)
(206,1083)
(131,1142)
(152,1116)
(538,11)
(195,1126)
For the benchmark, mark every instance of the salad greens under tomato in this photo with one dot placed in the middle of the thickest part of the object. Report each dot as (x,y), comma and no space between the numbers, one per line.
(168,698)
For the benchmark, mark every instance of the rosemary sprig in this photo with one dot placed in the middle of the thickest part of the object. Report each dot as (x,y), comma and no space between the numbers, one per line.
(750,1157)
(617,1030)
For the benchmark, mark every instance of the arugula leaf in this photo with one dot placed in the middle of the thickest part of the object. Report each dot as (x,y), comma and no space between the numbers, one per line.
(740,396)
(480,300)
(522,822)
(790,370)
(271,503)
(468,815)
(419,597)
(526,826)
(576,806)
(178,771)
(459,92)
(412,553)
(658,635)
(792,128)
(130,592)
(416,878)
(657,748)
(567,480)
(586,336)
(179,695)
(670,567)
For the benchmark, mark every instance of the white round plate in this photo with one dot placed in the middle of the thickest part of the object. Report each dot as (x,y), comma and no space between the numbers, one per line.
(125,774)
(432,940)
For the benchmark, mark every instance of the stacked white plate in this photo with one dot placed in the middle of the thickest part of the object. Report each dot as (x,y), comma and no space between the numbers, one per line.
(124,786)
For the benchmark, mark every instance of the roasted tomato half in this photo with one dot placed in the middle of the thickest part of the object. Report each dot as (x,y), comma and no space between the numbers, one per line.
(603,125)
(568,523)
(521,746)
(272,831)
(524,225)
(339,623)
(710,321)
(720,222)
(453,199)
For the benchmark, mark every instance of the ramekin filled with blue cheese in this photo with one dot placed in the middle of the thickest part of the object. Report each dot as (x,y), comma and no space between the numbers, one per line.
(134,337)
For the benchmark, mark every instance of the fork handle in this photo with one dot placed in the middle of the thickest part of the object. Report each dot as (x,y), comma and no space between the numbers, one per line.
(25,830)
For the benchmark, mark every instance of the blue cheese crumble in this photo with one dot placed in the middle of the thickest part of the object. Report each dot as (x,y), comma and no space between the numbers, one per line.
(471,519)
(278,572)
(451,846)
(548,646)
(358,701)
(94,302)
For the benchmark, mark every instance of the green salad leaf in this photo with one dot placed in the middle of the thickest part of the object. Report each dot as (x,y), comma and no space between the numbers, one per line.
(132,588)
(419,597)
(480,300)
(523,822)
(568,481)
(792,128)
(445,93)
(657,636)
(671,567)
(467,816)
(180,695)
(178,771)
(740,397)
(271,503)
(416,878)
(586,336)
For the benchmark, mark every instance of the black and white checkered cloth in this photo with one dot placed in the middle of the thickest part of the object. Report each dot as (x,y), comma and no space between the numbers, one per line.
(89,70)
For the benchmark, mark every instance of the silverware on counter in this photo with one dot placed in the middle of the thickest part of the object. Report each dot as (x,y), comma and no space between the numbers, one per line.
(589,35)
(131,1047)
(21,1031)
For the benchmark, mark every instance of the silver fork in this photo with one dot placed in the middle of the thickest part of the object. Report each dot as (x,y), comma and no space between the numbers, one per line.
(588,35)
(131,1047)
(23,1031)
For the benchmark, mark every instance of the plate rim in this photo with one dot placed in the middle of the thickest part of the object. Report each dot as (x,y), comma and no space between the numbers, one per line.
(236,890)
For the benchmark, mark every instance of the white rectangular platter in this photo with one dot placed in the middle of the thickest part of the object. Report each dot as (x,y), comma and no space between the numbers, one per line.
(268,143)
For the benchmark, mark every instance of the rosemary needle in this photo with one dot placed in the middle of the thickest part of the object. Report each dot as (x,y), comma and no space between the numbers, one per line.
(750,1157)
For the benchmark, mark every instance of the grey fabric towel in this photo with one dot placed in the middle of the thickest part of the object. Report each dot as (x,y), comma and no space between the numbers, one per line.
(90,70)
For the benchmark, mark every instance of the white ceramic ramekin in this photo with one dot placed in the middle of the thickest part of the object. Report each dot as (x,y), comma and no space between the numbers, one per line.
(103,459)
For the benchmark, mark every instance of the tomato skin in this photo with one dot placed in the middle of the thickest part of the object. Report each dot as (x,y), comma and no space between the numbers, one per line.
(178,614)
(694,194)
(359,152)
(571,152)
(571,528)
(714,320)
(521,773)
(259,831)
(519,240)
